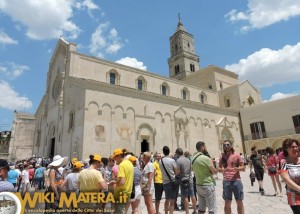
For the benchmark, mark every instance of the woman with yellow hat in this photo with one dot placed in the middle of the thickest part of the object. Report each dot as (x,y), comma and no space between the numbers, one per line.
(91,180)
(71,181)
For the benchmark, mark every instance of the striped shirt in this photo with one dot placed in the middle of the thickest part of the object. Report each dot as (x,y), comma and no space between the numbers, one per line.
(294,174)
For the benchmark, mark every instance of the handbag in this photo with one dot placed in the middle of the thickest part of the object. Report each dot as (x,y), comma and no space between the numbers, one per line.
(186,183)
(272,170)
(175,183)
(252,178)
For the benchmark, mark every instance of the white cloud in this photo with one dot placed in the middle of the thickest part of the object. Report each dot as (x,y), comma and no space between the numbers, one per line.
(267,67)
(86,4)
(278,96)
(10,70)
(132,62)
(262,13)
(89,4)
(113,48)
(45,19)
(10,99)
(104,42)
(234,15)
(6,40)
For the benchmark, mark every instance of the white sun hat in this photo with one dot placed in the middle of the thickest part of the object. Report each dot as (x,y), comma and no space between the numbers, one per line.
(59,161)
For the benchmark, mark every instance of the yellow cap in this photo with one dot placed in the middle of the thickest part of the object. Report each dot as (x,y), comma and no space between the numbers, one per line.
(77,165)
(132,159)
(117,152)
(97,157)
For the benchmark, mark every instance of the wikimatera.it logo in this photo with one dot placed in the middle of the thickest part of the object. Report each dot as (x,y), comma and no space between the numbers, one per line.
(70,200)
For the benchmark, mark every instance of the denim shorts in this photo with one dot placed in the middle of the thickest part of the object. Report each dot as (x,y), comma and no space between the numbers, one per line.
(187,191)
(233,187)
(170,191)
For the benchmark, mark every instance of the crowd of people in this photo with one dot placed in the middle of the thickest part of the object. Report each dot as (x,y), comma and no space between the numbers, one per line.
(148,176)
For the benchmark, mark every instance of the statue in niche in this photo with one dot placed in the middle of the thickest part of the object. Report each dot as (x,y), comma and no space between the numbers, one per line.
(124,131)
(100,131)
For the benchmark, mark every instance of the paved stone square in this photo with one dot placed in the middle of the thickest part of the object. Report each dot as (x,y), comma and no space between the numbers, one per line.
(254,202)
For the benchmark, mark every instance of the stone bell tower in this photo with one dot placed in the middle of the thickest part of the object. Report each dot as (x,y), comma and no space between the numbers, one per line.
(183,60)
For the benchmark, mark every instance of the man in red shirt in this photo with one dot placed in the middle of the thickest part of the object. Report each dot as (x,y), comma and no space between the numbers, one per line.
(230,164)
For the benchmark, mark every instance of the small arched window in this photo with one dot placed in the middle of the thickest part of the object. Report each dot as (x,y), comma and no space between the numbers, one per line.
(113,77)
(165,89)
(227,101)
(177,69)
(203,98)
(141,84)
(192,67)
(185,94)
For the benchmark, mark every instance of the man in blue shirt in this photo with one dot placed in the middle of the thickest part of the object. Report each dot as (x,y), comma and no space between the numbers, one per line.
(39,176)
(13,176)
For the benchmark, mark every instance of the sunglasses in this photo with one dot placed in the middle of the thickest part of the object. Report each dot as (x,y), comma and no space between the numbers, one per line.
(226,145)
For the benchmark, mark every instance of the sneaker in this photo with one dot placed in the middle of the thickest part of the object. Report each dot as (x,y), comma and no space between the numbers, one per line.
(262,191)
(176,208)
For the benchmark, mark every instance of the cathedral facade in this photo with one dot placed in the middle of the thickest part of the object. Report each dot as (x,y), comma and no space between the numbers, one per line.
(93,105)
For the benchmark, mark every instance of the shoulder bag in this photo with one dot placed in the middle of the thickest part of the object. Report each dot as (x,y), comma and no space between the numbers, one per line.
(175,183)
(272,169)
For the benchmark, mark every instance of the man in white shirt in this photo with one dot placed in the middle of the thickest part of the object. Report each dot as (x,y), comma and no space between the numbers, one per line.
(25,180)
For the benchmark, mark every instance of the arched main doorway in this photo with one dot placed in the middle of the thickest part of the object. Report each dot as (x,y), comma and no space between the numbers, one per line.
(145,138)
(52,141)
(144,146)
(52,147)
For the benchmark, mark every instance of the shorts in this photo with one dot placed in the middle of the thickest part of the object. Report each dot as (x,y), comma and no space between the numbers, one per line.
(187,191)
(138,193)
(233,187)
(170,191)
(24,187)
(159,188)
(259,174)
(206,198)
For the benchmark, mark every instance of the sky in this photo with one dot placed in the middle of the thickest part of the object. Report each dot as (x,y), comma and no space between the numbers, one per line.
(257,39)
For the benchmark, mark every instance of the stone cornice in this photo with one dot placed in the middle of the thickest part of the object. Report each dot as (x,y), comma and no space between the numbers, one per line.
(88,84)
